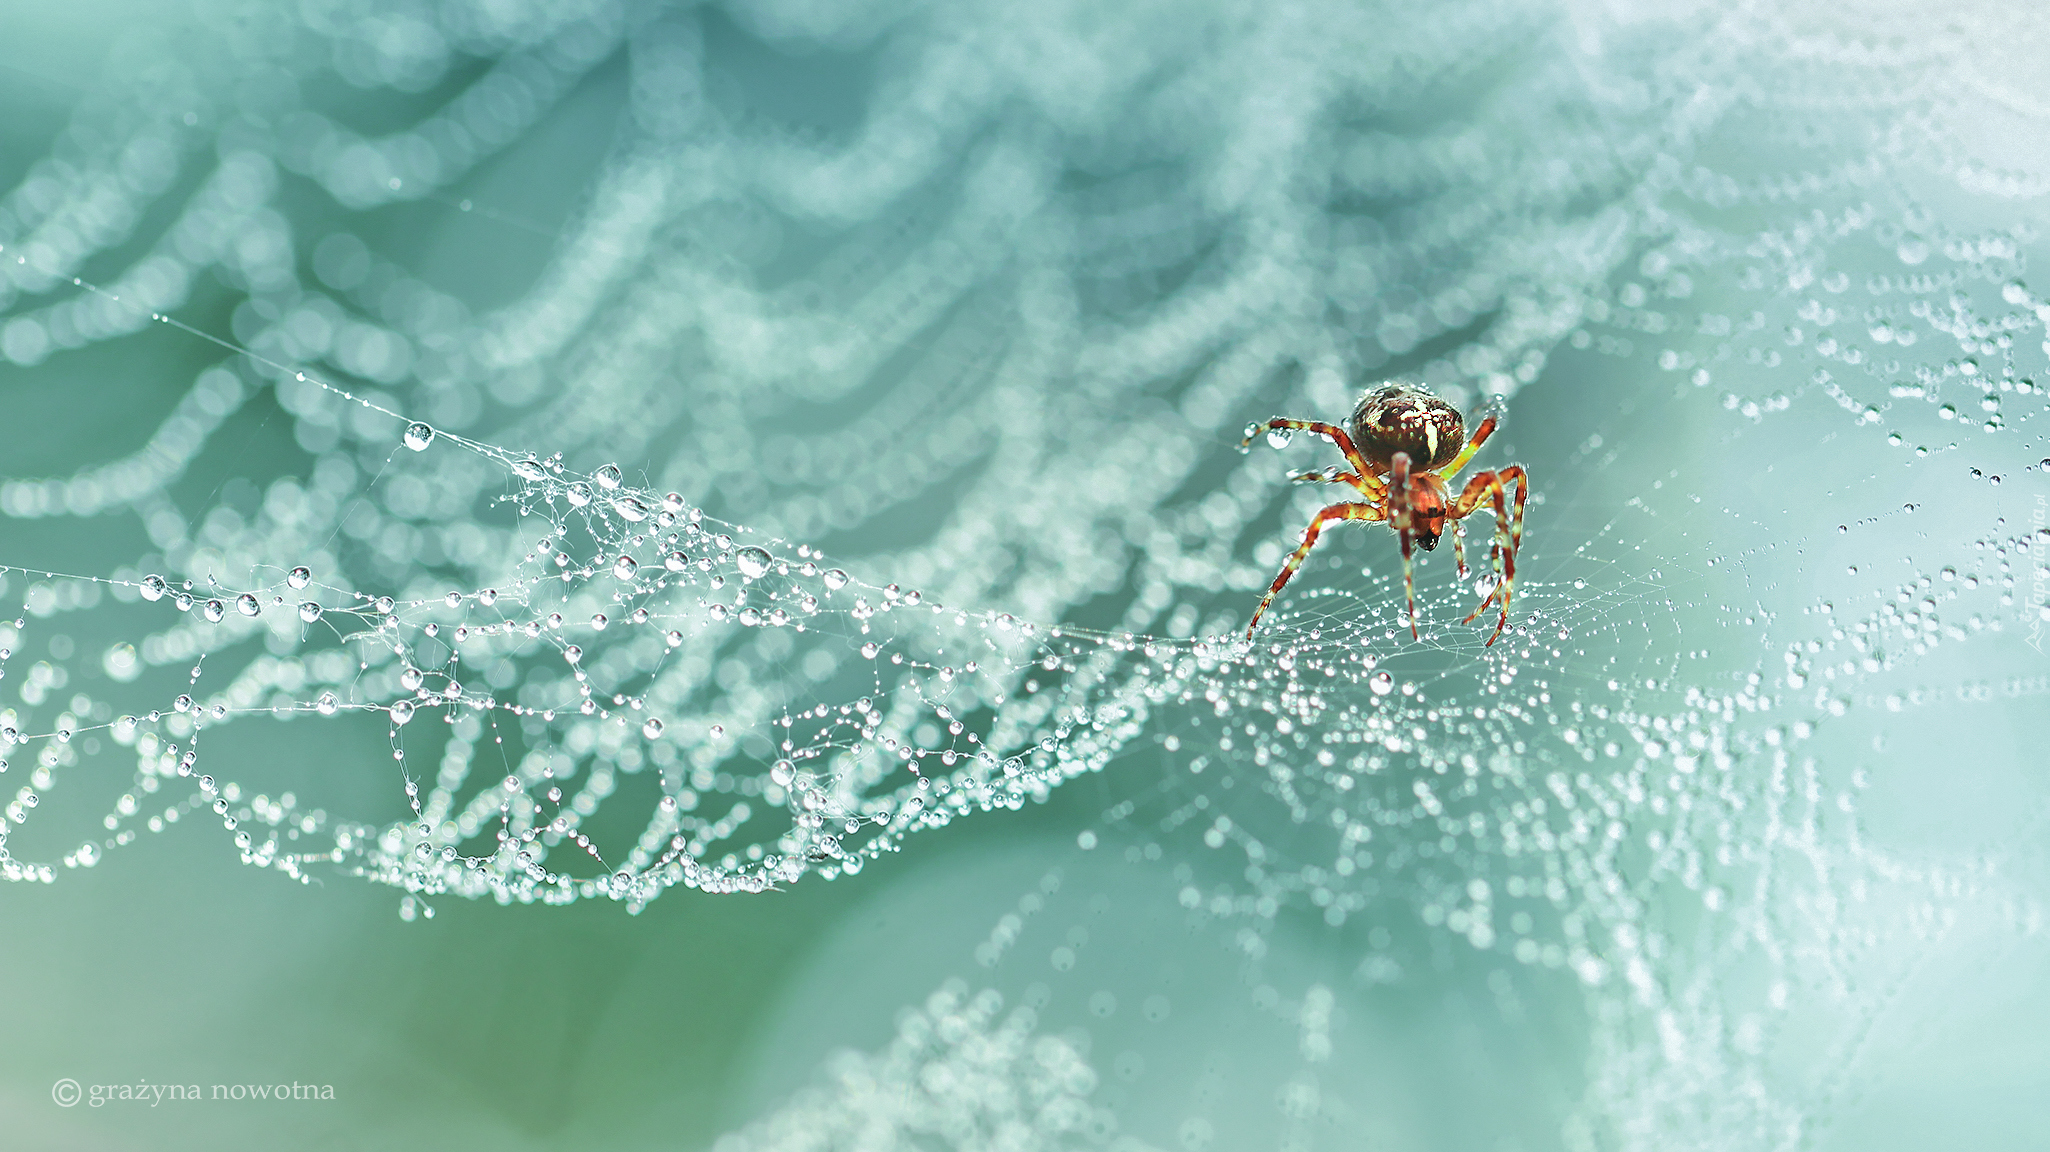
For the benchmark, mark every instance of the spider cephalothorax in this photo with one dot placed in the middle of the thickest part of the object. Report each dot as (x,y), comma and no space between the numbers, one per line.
(1404,445)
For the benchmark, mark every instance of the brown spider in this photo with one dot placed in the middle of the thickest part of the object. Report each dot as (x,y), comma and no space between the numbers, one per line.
(1404,446)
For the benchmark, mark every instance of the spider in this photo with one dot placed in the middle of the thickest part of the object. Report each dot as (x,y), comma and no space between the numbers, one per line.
(1404,446)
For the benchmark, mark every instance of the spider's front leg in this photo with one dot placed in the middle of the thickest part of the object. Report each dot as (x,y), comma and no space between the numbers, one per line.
(1334,512)
(1400,519)
(1508,532)
(1361,477)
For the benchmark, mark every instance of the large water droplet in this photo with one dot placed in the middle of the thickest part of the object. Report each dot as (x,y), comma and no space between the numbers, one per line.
(247,605)
(835,579)
(675,561)
(153,586)
(630,509)
(1279,437)
(753,562)
(401,711)
(578,494)
(299,577)
(607,477)
(625,567)
(528,469)
(418,436)
(652,729)
(309,611)
(411,679)
(327,704)
(215,611)
(1382,683)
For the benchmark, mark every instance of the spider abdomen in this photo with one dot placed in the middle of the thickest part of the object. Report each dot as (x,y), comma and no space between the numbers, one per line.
(1405,418)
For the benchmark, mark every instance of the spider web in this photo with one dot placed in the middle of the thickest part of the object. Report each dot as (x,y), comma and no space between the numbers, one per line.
(809,505)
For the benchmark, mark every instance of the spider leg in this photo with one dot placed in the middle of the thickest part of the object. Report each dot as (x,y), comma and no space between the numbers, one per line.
(1508,532)
(1364,474)
(1368,488)
(1399,519)
(1486,428)
(1334,512)
(1459,547)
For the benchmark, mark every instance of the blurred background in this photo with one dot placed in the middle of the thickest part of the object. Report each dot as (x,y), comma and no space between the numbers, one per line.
(930,800)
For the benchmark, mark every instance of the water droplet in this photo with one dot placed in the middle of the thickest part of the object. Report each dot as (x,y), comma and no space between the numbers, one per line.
(599,621)
(88,854)
(572,653)
(835,579)
(630,509)
(1381,683)
(652,729)
(182,704)
(675,561)
(327,704)
(1279,437)
(247,605)
(870,649)
(488,597)
(418,436)
(625,567)
(215,611)
(913,598)
(411,679)
(309,611)
(607,477)
(753,562)
(152,586)
(182,601)
(299,577)
(528,469)
(385,604)
(673,638)
(401,711)
(578,494)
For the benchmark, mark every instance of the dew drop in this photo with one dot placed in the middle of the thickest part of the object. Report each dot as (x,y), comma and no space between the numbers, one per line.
(870,649)
(299,577)
(528,469)
(753,562)
(327,704)
(385,604)
(598,621)
(835,579)
(578,494)
(572,653)
(488,597)
(309,611)
(215,611)
(152,586)
(411,679)
(247,605)
(401,711)
(630,509)
(418,436)
(1279,437)
(625,567)
(1381,683)
(607,477)
(652,729)
(676,561)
